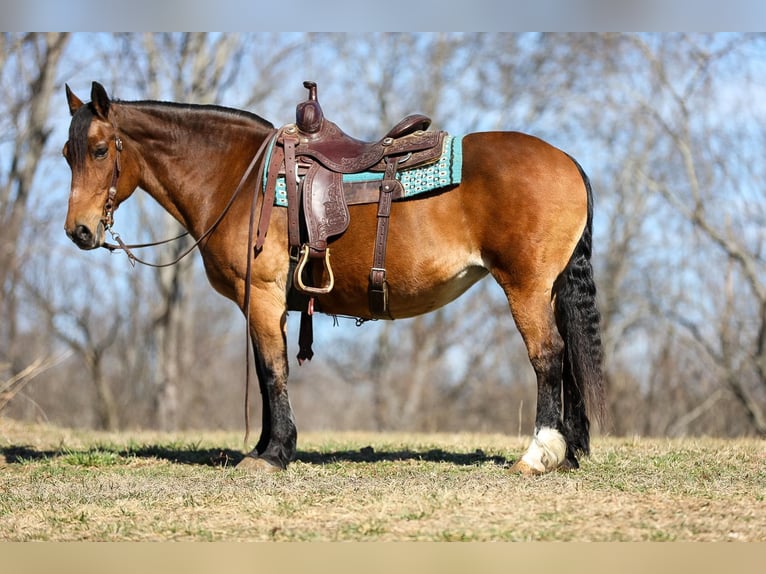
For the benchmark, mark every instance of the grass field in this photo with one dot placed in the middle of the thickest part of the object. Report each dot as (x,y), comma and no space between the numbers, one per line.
(68,485)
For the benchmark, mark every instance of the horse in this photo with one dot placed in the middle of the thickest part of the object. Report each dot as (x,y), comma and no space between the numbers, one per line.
(521,213)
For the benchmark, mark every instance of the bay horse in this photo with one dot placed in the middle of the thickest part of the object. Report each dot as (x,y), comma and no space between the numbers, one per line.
(522,214)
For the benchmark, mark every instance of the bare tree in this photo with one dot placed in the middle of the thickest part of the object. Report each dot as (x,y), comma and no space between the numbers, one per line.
(28,66)
(700,190)
(28,69)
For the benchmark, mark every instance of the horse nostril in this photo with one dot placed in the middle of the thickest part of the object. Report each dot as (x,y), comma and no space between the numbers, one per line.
(82,236)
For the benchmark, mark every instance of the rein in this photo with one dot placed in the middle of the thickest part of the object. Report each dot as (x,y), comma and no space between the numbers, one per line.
(108,218)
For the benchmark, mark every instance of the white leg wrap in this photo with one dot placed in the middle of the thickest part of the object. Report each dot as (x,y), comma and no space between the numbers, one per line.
(547,450)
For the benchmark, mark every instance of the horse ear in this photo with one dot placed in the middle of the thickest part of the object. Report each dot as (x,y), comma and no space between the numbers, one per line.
(99,100)
(74,102)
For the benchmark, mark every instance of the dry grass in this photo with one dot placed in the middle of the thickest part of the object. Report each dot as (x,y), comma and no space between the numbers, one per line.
(63,485)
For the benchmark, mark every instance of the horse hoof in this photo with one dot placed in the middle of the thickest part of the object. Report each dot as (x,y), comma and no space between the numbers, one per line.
(525,469)
(257,465)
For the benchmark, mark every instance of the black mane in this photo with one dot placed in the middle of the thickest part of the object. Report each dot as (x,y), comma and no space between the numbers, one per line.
(198,107)
(78,128)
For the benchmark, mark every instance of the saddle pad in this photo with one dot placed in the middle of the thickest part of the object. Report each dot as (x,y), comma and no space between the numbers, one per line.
(442,173)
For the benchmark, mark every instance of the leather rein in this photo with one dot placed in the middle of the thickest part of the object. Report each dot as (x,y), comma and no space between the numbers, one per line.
(108,217)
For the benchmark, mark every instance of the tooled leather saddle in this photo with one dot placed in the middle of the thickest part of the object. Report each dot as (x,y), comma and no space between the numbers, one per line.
(313,155)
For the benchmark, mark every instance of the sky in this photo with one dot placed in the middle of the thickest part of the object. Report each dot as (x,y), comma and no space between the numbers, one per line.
(400,15)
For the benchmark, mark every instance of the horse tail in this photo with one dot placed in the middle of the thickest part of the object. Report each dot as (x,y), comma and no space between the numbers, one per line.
(578,321)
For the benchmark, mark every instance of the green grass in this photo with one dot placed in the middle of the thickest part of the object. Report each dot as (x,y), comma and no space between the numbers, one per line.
(63,485)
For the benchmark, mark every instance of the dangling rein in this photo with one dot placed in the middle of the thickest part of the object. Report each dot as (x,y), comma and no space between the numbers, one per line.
(263,224)
(128,248)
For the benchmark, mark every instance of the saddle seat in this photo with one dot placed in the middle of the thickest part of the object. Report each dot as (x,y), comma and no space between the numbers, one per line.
(325,142)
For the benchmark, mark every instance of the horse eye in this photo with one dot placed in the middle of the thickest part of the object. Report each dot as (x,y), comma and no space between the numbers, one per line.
(101,152)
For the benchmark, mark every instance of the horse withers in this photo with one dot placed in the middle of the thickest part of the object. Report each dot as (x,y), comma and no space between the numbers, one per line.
(521,213)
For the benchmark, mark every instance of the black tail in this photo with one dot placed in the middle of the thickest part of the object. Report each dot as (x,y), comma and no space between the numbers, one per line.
(578,322)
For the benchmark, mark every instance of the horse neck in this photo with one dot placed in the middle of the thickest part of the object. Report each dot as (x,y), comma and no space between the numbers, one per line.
(190,158)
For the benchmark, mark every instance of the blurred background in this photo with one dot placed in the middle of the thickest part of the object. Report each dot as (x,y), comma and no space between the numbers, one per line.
(668,126)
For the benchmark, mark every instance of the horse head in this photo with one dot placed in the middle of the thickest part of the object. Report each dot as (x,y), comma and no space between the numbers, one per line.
(93,153)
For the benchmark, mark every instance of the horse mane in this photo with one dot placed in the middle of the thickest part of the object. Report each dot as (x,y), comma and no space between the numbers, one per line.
(186,107)
(78,129)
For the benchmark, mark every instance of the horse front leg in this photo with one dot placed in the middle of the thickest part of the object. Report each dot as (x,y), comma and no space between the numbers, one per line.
(276,446)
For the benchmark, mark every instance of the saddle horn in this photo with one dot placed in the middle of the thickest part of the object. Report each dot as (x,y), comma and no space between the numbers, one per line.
(308,114)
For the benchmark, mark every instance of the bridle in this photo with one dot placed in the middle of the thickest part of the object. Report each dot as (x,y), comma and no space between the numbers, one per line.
(108,216)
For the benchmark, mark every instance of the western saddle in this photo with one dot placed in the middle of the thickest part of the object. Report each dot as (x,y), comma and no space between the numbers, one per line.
(313,154)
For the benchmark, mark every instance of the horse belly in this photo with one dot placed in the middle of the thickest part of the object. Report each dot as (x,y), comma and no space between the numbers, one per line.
(426,266)
(427,298)
(410,294)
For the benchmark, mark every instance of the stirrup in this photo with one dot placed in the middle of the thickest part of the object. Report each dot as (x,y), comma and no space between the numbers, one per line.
(298,277)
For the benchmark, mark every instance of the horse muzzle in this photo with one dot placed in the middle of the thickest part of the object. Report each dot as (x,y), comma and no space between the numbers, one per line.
(85,238)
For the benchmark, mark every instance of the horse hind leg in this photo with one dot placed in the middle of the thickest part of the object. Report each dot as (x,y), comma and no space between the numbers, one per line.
(535,320)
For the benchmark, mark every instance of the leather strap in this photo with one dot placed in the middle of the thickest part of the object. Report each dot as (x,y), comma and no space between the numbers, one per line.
(272,170)
(378,286)
(293,200)
(306,334)
(108,217)
(286,155)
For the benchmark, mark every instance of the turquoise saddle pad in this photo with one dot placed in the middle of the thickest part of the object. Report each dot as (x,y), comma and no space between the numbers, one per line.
(445,172)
